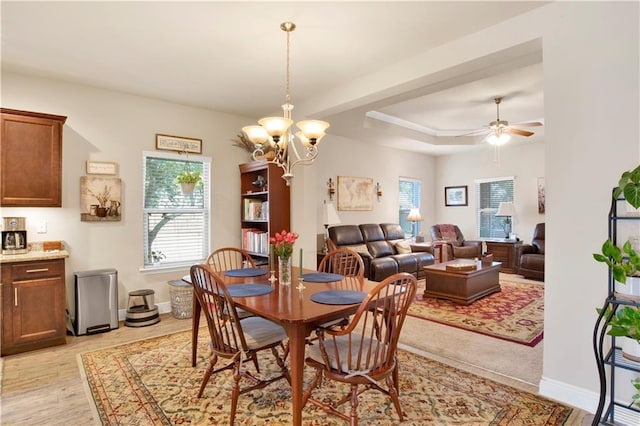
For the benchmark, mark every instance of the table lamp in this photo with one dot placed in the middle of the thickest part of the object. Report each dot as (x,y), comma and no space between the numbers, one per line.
(329,217)
(414,217)
(506,210)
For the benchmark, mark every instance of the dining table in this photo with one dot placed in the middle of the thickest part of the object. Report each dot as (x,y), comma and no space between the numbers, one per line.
(294,308)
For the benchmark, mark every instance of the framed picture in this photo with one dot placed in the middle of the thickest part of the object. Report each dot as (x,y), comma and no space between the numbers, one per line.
(355,193)
(101,168)
(541,198)
(455,196)
(178,143)
(100,199)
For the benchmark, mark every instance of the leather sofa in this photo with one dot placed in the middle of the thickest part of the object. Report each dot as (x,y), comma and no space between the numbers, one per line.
(530,257)
(383,248)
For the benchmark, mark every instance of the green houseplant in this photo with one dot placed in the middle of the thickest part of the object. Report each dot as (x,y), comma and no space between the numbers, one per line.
(629,186)
(626,323)
(636,397)
(620,267)
(188,181)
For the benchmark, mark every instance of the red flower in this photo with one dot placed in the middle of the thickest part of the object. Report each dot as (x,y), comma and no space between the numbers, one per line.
(283,243)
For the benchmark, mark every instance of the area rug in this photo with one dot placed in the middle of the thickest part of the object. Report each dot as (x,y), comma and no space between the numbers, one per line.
(151,382)
(515,314)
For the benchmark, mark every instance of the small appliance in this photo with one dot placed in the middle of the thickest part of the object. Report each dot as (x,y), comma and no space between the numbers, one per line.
(14,235)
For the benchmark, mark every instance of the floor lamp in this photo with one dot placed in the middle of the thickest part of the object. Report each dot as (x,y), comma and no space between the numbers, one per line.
(329,217)
(414,217)
(507,211)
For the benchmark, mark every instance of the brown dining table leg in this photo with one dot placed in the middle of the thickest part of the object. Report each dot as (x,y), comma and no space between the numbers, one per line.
(297,337)
(195,325)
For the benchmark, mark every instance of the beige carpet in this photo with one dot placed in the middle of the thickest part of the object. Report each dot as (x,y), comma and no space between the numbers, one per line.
(511,363)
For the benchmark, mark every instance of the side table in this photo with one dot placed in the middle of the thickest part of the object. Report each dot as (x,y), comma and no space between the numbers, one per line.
(435,249)
(504,251)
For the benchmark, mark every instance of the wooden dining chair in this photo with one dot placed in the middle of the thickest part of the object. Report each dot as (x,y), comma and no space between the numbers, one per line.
(233,339)
(226,258)
(365,352)
(343,261)
(220,260)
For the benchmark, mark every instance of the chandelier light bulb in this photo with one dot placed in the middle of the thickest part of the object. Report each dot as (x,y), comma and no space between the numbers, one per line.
(256,134)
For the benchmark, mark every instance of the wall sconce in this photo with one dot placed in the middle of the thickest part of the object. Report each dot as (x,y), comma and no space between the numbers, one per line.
(331,189)
(378,190)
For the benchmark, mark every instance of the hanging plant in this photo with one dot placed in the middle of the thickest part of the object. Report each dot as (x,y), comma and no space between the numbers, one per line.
(188,181)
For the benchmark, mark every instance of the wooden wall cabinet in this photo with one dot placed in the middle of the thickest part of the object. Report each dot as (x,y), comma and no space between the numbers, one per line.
(265,207)
(33,305)
(30,159)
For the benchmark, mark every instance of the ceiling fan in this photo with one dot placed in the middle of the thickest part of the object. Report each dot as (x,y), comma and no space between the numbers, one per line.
(499,131)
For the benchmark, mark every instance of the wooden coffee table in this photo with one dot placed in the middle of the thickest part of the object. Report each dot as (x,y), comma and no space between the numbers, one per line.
(462,286)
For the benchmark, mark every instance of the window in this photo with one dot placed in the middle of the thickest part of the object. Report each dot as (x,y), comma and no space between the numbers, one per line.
(491,192)
(408,197)
(175,225)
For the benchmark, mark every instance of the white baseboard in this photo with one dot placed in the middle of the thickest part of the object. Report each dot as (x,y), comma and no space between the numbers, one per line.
(163,308)
(569,394)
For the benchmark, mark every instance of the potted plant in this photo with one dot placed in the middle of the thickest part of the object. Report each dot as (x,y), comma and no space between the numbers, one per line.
(629,186)
(188,181)
(624,268)
(626,323)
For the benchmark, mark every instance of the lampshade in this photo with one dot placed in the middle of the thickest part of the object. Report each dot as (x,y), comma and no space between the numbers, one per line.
(276,126)
(414,216)
(313,130)
(329,214)
(256,134)
(506,209)
(498,138)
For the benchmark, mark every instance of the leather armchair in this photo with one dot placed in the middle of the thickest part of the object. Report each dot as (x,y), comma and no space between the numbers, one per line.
(530,257)
(457,246)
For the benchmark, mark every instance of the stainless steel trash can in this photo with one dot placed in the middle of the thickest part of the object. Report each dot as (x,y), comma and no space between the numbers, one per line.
(96,294)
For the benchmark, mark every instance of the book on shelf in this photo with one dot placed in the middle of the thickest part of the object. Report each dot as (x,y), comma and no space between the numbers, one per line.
(255,209)
(255,240)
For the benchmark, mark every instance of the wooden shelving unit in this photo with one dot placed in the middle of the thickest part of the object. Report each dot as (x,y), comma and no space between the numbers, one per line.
(265,207)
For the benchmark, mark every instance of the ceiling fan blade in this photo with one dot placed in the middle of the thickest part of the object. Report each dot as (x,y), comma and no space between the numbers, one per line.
(528,124)
(518,132)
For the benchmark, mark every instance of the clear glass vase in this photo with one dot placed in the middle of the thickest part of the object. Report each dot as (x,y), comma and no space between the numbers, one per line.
(284,270)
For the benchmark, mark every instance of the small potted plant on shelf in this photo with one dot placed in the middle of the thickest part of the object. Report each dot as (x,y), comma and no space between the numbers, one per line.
(626,323)
(629,186)
(188,181)
(624,268)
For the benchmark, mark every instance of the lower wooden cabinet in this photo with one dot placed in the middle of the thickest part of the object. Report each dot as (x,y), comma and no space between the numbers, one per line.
(505,252)
(33,305)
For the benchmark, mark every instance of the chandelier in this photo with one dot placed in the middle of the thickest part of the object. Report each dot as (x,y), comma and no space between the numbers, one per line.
(274,133)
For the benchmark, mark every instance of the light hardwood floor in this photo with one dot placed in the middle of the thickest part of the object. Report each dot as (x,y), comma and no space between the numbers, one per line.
(44,387)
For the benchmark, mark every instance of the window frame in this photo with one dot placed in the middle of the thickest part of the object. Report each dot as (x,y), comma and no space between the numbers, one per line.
(480,210)
(417,199)
(206,210)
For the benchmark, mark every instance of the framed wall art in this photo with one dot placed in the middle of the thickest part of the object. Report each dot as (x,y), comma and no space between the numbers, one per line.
(455,196)
(102,168)
(178,143)
(541,198)
(355,193)
(100,199)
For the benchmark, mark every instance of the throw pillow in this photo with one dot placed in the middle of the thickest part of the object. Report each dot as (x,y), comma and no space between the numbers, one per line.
(402,247)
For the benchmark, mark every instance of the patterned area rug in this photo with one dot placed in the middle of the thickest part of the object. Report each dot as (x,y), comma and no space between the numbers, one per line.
(515,314)
(151,382)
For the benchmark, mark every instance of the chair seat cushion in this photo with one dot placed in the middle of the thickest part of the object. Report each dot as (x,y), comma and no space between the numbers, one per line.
(343,352)
(259,332)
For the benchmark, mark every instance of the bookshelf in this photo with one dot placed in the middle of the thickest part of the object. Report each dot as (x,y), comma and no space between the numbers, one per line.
(264,209)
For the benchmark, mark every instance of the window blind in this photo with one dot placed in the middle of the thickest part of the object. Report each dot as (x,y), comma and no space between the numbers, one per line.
(491,192)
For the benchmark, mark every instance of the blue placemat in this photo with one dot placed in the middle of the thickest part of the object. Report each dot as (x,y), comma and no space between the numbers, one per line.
(245,272)
(338,297)
(248,290)
(322,277)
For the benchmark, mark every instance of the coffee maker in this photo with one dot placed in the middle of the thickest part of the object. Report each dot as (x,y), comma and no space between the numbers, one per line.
(14,235)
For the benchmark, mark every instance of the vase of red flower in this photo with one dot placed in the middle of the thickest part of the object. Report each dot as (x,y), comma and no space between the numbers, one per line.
(283,248)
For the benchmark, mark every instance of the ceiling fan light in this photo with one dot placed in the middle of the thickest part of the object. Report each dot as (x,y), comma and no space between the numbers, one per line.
(498,139)
(313,130)
(256,134)
(276,126)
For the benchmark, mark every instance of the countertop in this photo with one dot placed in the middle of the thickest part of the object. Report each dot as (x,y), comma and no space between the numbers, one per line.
(35,253)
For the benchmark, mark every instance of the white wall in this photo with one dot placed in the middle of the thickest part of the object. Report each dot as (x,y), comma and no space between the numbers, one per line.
(523,161)
(110,126)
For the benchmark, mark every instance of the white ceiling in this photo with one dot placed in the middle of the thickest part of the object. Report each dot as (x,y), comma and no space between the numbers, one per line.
(230,57)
